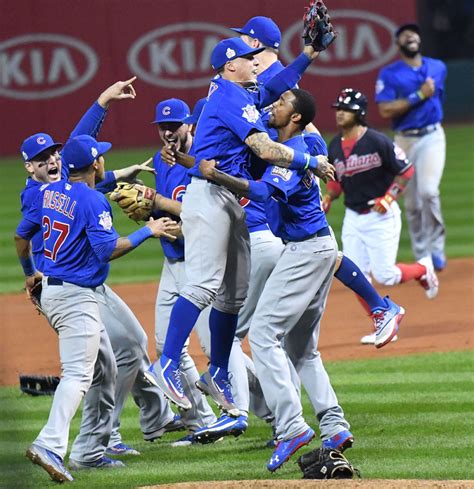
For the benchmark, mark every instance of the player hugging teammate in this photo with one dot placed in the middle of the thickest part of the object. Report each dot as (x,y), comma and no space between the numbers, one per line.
(253,138)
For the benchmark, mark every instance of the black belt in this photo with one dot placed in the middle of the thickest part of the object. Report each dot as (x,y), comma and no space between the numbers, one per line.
(418,133)
(319,234)
(54,281)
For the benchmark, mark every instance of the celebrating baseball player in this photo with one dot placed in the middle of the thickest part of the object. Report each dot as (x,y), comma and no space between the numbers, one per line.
(410,92)
(294,296)
(372,172)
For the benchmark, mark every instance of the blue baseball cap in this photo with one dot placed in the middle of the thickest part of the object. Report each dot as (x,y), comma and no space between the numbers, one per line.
(194,117)
(81,151)
(229,49)
(36,144)
(263,29)
(171,110)
(408,27)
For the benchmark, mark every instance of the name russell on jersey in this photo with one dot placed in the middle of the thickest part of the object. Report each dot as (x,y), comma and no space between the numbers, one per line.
(59,202)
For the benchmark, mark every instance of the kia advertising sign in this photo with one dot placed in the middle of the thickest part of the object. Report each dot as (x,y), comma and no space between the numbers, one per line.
(50,76)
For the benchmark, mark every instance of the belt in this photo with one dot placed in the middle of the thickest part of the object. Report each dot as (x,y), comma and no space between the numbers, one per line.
(319,234)
(418,133)
(54,281)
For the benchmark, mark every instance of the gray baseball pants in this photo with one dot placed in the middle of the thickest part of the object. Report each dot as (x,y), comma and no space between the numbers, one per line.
(422,199)
(290,309)
(173,278)
(88,366)
(129,343)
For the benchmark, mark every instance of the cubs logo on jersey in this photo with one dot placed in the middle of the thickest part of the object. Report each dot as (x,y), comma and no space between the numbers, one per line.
(178,192)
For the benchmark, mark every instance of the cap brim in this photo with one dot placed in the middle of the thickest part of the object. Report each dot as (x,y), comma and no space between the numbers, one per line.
(169,120)
(190,120)
(408,27)
(54,145)
(237,29)
(103,147)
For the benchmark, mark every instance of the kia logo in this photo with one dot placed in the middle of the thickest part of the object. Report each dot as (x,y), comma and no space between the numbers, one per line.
(364,42)
(42,66)
(178,55)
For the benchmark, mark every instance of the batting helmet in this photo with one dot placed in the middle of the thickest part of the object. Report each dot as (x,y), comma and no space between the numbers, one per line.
(353,100)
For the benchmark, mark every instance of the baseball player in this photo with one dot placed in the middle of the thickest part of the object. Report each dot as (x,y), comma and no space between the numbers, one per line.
(171,183)
(79,241)
(372,172)
(229,128)
(410,92)
(294,296)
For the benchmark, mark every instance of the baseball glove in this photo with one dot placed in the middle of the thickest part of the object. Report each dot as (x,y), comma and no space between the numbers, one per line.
(317,28)
(324,463)
(134,199)
(34,295)
(38,385)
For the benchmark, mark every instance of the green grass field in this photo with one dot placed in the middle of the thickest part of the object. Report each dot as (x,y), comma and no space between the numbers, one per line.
(412,418)
(144,264)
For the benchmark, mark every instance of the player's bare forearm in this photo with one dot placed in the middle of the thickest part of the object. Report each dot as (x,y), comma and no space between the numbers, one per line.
(266,149)
(394,109)
(167,205)
(122,247)
(236,185)
(23,247)
(185,160)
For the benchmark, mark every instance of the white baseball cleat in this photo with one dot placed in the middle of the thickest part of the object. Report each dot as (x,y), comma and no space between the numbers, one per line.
(369,339)
(429,281)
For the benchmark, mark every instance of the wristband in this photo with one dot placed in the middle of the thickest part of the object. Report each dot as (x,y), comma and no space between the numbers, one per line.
(139,236)
(303,161)
(415,97)
(28,266)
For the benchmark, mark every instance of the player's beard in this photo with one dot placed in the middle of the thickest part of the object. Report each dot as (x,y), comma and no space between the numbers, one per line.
(410,53)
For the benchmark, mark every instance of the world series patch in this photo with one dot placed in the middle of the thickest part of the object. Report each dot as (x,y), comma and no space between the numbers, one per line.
(283,173)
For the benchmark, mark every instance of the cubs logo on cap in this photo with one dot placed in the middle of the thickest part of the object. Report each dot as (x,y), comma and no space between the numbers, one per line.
(171,110)
(36,144)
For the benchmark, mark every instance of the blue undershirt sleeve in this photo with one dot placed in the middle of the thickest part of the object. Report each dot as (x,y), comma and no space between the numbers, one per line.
(259,191)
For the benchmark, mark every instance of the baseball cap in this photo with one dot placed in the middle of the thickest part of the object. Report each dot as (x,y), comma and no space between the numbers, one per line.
(171,110)
(229,49)
(408,27)
(81,151)
(263,29)
(36,144)
(193,118)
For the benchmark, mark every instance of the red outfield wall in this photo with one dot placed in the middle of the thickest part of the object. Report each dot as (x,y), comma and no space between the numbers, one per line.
(56,57)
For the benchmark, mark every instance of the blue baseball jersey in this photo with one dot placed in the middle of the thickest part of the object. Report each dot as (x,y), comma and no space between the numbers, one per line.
(294,211)
(399,80)
(171,182)
(78,232)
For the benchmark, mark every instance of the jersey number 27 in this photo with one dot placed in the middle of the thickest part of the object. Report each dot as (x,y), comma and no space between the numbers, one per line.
(63,233)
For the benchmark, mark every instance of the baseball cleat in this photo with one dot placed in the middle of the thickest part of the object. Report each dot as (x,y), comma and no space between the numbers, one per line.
(121,449)
(224,426)
(286,448)
(342,441)
(102,463)
(386,322)
(176,424)
(219,390)
(166,375)
(49,461)
(369,339)
(429,281)
(439,261)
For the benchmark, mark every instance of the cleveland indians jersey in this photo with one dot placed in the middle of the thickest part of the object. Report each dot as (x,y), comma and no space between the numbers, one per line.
(369,170)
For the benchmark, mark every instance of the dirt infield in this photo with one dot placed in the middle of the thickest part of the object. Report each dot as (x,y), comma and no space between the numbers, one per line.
(29,345)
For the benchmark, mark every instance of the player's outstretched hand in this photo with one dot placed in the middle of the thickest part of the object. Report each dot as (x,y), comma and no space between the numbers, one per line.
(168,154)
(164,228)
(207,168)
(428,88)
(129,173)
(324,170)
(121,90)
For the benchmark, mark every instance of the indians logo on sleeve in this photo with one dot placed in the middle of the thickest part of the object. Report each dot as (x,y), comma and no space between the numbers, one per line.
(250,113)
(105,220)
(283,173)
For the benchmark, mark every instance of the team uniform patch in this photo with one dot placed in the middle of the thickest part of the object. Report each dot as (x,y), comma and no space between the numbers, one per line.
(283,173)
(105,220)
(250,113)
